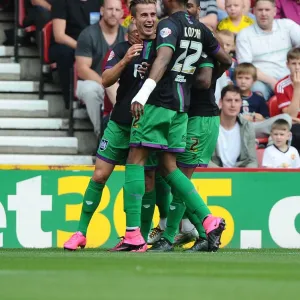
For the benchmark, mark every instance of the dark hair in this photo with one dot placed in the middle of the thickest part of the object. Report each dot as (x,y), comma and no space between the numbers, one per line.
(281,124)
(230,88)
(197,2)
(134,3)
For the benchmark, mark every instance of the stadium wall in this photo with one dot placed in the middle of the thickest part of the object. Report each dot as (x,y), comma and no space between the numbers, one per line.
(40,206)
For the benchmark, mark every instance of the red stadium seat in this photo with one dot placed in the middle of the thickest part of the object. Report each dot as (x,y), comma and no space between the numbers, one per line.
(45,63)
(260,154)
(273,106)
(263,140)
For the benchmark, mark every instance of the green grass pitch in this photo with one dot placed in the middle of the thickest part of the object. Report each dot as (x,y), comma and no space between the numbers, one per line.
(53,274)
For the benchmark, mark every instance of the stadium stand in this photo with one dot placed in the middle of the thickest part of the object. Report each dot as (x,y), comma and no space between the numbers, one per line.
(34,126)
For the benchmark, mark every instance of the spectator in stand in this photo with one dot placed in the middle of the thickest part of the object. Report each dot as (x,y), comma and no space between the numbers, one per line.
(287,91)
(228,43)
(236,142)
(288,9)
(280,154)
(70,17)
(38,13)
(254,107)
(265,44)
(92,45)
(236,20)
(222,14)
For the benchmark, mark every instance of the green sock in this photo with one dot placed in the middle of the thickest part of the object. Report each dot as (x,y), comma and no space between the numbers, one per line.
(195,221)
(176,211)
(184,188)
(134,190)
(91,201)
(163,196)
(148,205)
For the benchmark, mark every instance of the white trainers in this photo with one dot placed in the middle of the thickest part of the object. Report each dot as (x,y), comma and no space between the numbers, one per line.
(186,237)
(154,235)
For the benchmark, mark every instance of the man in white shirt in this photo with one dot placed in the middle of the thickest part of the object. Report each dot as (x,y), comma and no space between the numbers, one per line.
(265,44)
(236,142)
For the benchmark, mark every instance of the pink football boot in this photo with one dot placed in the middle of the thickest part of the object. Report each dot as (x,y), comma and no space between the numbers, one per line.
(214,228)
(132,242)
(75,241)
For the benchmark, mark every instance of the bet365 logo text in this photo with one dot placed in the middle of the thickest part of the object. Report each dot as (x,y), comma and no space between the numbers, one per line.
(34,215)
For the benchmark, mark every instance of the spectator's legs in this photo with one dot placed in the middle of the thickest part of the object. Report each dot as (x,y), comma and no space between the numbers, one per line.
(262,89)
(64,57)
(92,94)
(263,128)
(42,17)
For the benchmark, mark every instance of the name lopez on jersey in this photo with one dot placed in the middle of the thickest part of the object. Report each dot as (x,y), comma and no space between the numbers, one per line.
(192,33)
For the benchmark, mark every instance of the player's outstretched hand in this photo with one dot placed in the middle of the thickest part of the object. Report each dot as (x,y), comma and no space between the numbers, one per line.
(137,109)
(132,52)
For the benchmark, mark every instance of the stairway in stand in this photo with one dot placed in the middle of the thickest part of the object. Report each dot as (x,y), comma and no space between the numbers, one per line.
(35,131)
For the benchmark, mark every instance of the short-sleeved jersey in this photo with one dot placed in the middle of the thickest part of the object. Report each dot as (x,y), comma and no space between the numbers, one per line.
(131,80)
(284,91)
(227,24)
(187,37)
(203,101)
(275,158)
(255,104)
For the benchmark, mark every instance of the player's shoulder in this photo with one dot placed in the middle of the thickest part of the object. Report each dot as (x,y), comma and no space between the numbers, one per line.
(282,84)
(119,49)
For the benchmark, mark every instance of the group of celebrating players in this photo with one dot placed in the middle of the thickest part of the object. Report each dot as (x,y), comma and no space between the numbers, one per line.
(164,124)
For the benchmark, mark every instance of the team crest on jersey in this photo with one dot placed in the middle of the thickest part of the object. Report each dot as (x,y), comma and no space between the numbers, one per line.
(111,55)
(165,32)
(103,144)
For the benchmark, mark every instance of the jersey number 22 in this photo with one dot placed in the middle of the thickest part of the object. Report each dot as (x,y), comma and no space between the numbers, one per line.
(187,65)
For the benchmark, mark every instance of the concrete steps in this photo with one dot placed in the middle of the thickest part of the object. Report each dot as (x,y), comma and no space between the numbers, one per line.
(38,145)
(51,160)
(43,124)
(23,108)
(25,87)
(10,71)
(34,131)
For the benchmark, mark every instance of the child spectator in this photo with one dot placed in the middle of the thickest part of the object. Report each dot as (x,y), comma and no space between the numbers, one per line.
(228,43)
(287,91)
(254,107)
(280,154)
(236,20)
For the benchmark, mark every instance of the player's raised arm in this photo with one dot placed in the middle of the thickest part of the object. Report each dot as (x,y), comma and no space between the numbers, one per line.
(116,63)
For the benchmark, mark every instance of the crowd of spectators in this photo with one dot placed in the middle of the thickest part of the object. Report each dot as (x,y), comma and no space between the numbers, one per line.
(258,34)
